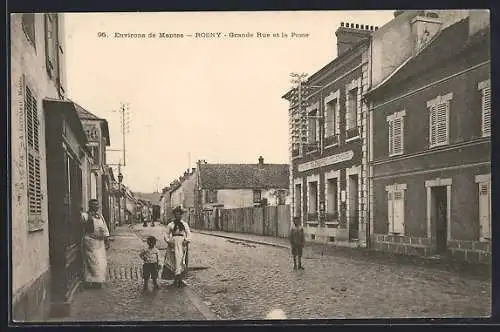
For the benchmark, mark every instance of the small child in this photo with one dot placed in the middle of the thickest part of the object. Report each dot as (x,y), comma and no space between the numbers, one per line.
(151,258)
(297,240)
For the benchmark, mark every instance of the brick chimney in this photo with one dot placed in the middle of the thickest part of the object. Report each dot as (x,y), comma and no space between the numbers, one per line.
(261,161)
(398,12)
(350,34)
(424,27)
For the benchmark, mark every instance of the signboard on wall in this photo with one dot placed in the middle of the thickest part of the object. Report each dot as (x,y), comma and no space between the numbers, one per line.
(92,132)
(330,160)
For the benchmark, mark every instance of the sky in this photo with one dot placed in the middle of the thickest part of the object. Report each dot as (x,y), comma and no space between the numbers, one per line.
(217,99)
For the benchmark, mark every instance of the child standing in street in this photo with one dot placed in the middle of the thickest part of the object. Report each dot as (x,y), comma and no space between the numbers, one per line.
(151,258)
(297,240)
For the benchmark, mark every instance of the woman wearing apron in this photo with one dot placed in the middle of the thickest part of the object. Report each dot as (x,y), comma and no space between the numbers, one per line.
(178,235)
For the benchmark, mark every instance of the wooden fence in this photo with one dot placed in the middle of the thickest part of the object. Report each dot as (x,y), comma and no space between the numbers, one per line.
(269,220)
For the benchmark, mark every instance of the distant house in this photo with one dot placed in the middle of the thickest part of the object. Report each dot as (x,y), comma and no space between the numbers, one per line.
(182,193)
(228,186)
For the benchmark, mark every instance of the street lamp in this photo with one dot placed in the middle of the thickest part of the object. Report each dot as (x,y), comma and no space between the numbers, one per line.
(120,178)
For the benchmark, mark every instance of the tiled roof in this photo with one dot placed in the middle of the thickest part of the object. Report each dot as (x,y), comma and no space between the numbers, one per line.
(84,114)
(244,176)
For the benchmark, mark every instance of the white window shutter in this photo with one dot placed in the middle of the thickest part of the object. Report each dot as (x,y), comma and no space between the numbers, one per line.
(391,138)
(337,117)
(442,123)
(486,111)
(398,213)
(397,145)
(389,212)
(432,126)
(485,210)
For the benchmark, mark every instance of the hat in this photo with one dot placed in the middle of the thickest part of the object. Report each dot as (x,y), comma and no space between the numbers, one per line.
(178,209)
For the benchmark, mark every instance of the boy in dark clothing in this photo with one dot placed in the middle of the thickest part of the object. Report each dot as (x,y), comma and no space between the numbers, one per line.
(297,240)
(151,258)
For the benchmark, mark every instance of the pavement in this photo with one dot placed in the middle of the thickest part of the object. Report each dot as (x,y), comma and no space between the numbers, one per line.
(247,277)
(122,299)
(465,269)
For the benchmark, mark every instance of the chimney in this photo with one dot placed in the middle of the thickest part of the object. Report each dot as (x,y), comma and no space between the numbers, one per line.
(398,12)
(193,170)
(350,34)
(423,28)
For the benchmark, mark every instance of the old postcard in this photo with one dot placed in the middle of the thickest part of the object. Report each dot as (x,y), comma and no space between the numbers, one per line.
(207,166)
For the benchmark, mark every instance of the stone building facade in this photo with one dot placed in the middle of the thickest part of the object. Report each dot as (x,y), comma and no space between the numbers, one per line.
(328,142)
(430,145)
(37,72)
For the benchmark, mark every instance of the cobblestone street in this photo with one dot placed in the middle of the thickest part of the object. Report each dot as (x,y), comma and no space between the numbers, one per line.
(122,299)
(245,281)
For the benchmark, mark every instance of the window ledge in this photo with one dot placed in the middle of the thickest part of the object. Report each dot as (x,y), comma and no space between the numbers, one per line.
(331,145)
(352,138)
(396,154)
(438,145)
(35,229)
(396,234)
(311,152)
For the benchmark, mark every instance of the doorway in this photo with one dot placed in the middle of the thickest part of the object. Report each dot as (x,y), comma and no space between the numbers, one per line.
(439,215)
(353,207)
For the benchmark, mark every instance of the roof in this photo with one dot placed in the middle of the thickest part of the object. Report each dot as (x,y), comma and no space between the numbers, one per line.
(67,107)
(447,44)
(244,176)
(86,115)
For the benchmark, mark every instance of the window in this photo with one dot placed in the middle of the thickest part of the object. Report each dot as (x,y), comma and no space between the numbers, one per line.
(52,47)
(313,127)
(352,109)
(28,24)
(211,196)
(94,150)
(257,196)
(396,208)
(313,197)
(439,109)
(298,200)
(396,133)
(330,118)
(485,107)
(33,153)
(484,186)
(331,197)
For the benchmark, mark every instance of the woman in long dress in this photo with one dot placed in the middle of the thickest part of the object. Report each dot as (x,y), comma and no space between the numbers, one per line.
(178,235)
(94,245)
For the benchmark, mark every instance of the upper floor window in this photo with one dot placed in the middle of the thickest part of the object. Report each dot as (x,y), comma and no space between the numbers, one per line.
(94,150)
(32,127)
(257,196)
(331,114)
(54,51)
(485,89)
(439,120)
(352,109)
(396,133)
(312,126)
(28,23)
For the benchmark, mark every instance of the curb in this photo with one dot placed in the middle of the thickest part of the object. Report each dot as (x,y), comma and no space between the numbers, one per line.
(244,240)
(199,304)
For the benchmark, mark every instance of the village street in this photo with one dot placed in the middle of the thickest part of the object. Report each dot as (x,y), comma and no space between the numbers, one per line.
(122,298)
(242,280)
